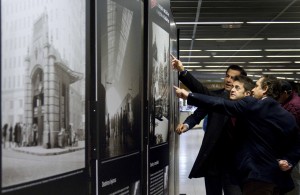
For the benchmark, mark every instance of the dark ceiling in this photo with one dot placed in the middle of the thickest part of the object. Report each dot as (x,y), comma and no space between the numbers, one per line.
(210,33)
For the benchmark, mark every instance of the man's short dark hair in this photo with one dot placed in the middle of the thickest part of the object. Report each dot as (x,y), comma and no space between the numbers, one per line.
(248,82)
(237,68)
(295,86)
(273,85)
(285,86)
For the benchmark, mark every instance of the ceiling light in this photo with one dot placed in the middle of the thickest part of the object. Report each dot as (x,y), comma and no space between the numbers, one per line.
(238,56)
(282,49)
(271,62)
(211,70)
(229,39)
(216,66)
(283,39)
(283,56)
(288,78)
(185,39)
(208,73)
(192,66)
(277,73)
(190,62)
(284,69)
(254,69)
(208,23)
(275,22)
(281,78)
(229,50)
(266,66)
(250,75)
(194,56)
(190,50)
(224,62)
(248,69)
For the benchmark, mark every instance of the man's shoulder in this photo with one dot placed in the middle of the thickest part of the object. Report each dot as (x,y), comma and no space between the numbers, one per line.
(249,100)
(217,91)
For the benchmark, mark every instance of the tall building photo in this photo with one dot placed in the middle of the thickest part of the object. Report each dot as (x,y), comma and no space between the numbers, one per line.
(43,68)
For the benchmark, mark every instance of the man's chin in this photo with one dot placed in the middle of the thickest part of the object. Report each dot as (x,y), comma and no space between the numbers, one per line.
(228,87)
(232,97)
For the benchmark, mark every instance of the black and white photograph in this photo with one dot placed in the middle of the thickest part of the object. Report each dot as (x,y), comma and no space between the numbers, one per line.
(160,84)
(43,72)
(121,78)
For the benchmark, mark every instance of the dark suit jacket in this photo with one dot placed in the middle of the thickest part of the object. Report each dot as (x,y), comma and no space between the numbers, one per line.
(209,156)
(270,133)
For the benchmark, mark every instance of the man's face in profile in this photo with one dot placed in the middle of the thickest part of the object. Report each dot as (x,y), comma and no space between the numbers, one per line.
(258,92)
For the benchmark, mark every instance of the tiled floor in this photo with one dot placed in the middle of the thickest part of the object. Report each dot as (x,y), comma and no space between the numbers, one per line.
(189,145)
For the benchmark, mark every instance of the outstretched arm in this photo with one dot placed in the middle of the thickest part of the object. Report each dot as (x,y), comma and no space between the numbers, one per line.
(187,79)
(181,93)
(216,104)
(194,118)
(191,121)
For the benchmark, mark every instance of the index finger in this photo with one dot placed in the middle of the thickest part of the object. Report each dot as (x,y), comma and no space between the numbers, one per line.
(176,87)
(172,56)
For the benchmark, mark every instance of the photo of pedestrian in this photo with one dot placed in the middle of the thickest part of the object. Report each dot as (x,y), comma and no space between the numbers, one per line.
(4,134)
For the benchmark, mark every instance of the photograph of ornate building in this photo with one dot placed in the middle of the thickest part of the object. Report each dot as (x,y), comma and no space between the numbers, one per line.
(43,88)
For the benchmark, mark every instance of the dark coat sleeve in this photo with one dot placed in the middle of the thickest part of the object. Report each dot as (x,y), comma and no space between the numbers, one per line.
(220,105)
(291,144)
(197,87)
(195,118)
(293,153)
(193,84)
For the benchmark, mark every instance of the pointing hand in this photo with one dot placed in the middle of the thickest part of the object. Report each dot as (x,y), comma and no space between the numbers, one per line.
(181,93)
(177,64)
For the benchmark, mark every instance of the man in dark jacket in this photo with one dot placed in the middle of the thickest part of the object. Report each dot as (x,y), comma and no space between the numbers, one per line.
(270,135)
(210,160)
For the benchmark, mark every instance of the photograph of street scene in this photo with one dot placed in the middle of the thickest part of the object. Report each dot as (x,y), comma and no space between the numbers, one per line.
(160,85)
(42,89)
(121,79)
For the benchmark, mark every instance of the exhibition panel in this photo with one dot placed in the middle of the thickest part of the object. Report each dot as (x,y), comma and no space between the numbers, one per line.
(43,96)
(120,91)
(159,93)
(87,104)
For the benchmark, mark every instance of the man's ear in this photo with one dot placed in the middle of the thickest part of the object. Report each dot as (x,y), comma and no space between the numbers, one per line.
(248,93)
(265,90)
